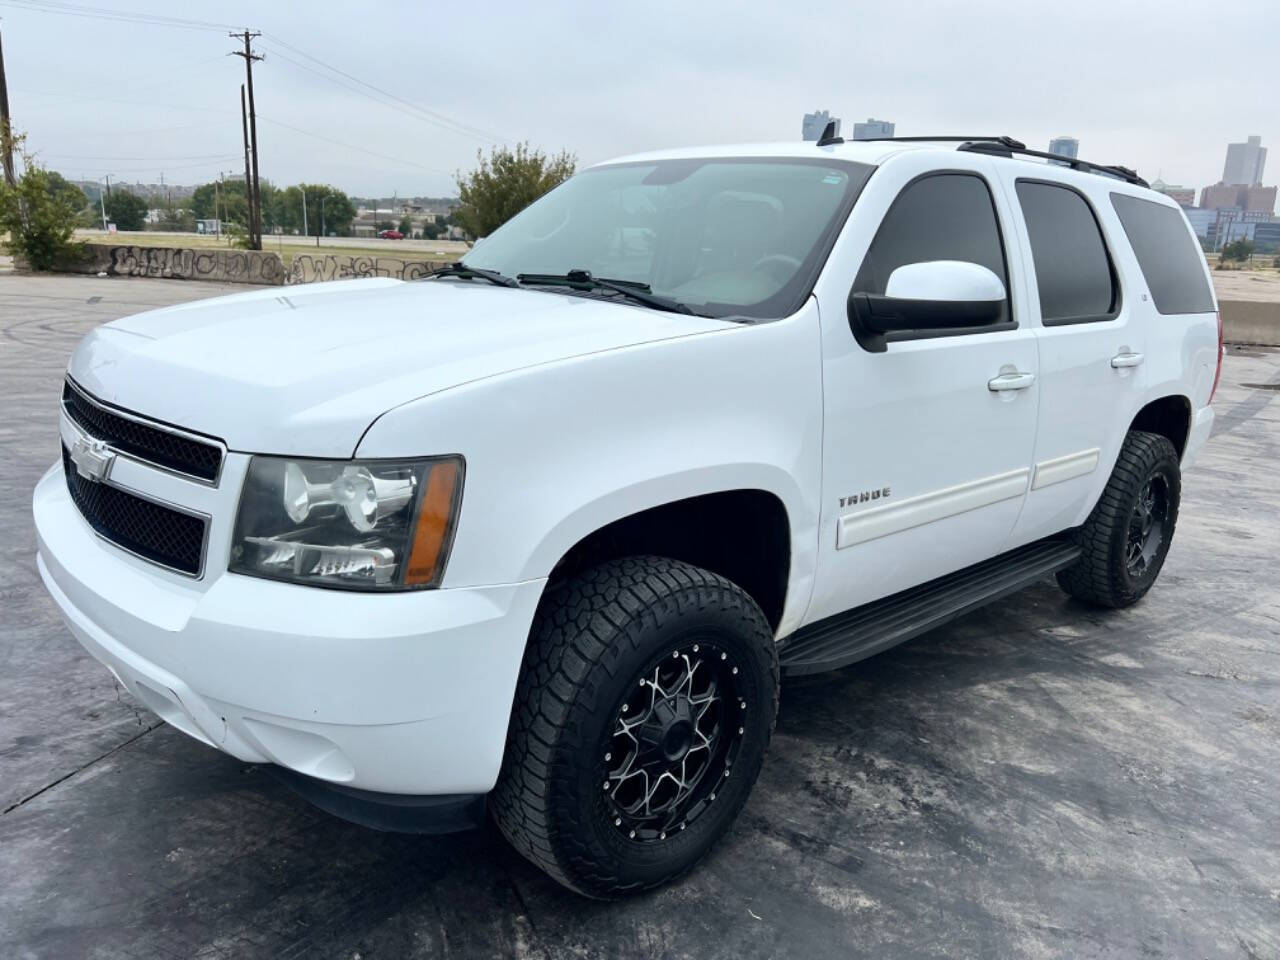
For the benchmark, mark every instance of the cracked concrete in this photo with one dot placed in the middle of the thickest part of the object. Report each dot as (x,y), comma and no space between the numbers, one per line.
(1038,779)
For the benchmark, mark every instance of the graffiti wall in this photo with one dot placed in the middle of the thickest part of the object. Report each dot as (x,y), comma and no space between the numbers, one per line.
(241,266)
(179,263)
(308,268)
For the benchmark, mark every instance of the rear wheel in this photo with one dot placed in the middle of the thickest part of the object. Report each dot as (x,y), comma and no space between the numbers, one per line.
(1127,536)
(645,704)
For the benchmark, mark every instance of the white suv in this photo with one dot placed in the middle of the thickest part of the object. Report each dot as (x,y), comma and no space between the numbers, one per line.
(540,533)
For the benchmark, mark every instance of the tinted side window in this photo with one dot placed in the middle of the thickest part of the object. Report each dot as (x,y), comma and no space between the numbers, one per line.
(1171,263)
(947,216)
(1073,271)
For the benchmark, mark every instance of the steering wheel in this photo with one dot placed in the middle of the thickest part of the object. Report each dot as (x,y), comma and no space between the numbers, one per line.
(778,265)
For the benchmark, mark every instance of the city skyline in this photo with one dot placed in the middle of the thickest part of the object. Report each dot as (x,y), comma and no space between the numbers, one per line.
(171,103)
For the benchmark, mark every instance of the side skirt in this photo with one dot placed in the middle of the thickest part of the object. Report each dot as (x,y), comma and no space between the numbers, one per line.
(867,630)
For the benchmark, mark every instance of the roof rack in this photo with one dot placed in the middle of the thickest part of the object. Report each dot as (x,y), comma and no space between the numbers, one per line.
(1002,146)
(1002,149)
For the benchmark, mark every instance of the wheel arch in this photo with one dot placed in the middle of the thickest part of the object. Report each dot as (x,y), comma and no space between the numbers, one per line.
(1169,416)
(744,534)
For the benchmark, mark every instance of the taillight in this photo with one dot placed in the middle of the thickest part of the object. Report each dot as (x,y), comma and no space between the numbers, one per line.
(1218,373)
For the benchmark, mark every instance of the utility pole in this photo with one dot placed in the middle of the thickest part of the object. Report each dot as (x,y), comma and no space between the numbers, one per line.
(255,202)
(248,183)
(6,131)
(303,190)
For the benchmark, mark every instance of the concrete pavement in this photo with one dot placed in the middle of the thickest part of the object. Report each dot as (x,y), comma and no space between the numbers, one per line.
(1038,779)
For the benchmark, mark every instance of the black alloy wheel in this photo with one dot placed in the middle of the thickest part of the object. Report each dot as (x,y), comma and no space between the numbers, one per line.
(1124,541)
(642,713)
(1146,526)
(674,739)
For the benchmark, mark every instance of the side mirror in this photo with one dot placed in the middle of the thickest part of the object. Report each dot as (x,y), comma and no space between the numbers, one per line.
(938,295)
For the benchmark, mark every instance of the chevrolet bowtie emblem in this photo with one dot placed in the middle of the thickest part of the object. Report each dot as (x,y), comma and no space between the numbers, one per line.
(92,458)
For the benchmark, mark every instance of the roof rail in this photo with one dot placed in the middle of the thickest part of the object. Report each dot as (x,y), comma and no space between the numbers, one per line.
(1002,146)
(1008,142)
(1126,174)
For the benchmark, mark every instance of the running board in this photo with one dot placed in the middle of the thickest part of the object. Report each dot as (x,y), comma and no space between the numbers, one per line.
(867,630)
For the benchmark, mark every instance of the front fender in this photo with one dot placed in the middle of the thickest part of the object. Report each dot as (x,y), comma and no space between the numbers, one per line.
(555,452)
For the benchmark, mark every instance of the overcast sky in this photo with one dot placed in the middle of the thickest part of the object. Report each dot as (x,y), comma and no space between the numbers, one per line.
(1161,86)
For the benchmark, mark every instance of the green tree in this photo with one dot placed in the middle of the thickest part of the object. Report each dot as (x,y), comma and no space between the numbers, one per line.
(327,207)
(60,186)
(432,228)
(126,210)
(1239,250)
(506,182)
(406,225)
(223,201)
(38,216)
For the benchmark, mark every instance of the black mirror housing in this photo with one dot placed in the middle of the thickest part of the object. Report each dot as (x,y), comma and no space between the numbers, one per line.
(876,319)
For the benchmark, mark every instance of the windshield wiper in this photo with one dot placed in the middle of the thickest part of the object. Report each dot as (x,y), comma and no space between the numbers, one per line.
(583,280)
(464,272)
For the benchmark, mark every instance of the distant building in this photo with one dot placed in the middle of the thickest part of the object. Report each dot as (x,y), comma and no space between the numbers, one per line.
(1266,237)
(1228,196)
(1228,224)
(1202,221)
(873,129)
(1219,196)
(1245,162)
(1258,199)
(815,123)
(1065,147)
(1182,196)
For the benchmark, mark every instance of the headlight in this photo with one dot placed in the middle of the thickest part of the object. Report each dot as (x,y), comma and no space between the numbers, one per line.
(359,524)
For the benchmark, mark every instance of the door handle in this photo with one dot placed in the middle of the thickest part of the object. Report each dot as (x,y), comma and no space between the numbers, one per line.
(1122,360)
(1011,381)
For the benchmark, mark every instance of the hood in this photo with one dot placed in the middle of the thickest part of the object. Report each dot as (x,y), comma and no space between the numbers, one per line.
(305,370)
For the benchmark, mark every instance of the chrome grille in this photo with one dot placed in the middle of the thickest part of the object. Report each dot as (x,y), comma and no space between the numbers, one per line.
(167,447)
(155,532)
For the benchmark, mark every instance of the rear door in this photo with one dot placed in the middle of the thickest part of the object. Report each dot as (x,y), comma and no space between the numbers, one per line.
(1091,340)
(925,463)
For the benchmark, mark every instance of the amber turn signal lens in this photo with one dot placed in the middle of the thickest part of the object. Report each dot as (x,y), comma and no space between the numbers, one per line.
(434,530)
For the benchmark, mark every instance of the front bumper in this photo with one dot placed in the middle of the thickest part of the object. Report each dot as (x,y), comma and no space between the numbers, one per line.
(406,693)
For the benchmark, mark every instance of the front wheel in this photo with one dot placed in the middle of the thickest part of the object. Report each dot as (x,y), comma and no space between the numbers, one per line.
(646,700)
(1127,536)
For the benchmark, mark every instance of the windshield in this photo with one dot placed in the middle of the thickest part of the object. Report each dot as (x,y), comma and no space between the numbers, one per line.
(733,237)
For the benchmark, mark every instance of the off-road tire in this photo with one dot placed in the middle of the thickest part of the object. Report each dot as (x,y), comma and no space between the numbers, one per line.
(594,637)
(1101,576)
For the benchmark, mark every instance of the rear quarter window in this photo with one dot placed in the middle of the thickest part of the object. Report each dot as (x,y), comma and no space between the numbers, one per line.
(1171,262)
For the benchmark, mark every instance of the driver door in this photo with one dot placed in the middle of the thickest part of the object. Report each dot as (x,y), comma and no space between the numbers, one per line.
(926,456)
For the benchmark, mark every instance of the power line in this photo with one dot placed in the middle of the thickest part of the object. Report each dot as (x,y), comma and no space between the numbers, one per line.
(431,116)
(159,167)
(95,156)
(351,146)
(122,16)
(352,88)
(136,103)
(278,123)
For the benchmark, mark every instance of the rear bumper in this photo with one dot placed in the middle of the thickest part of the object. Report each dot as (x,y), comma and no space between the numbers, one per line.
(406,693)
(1201,428)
